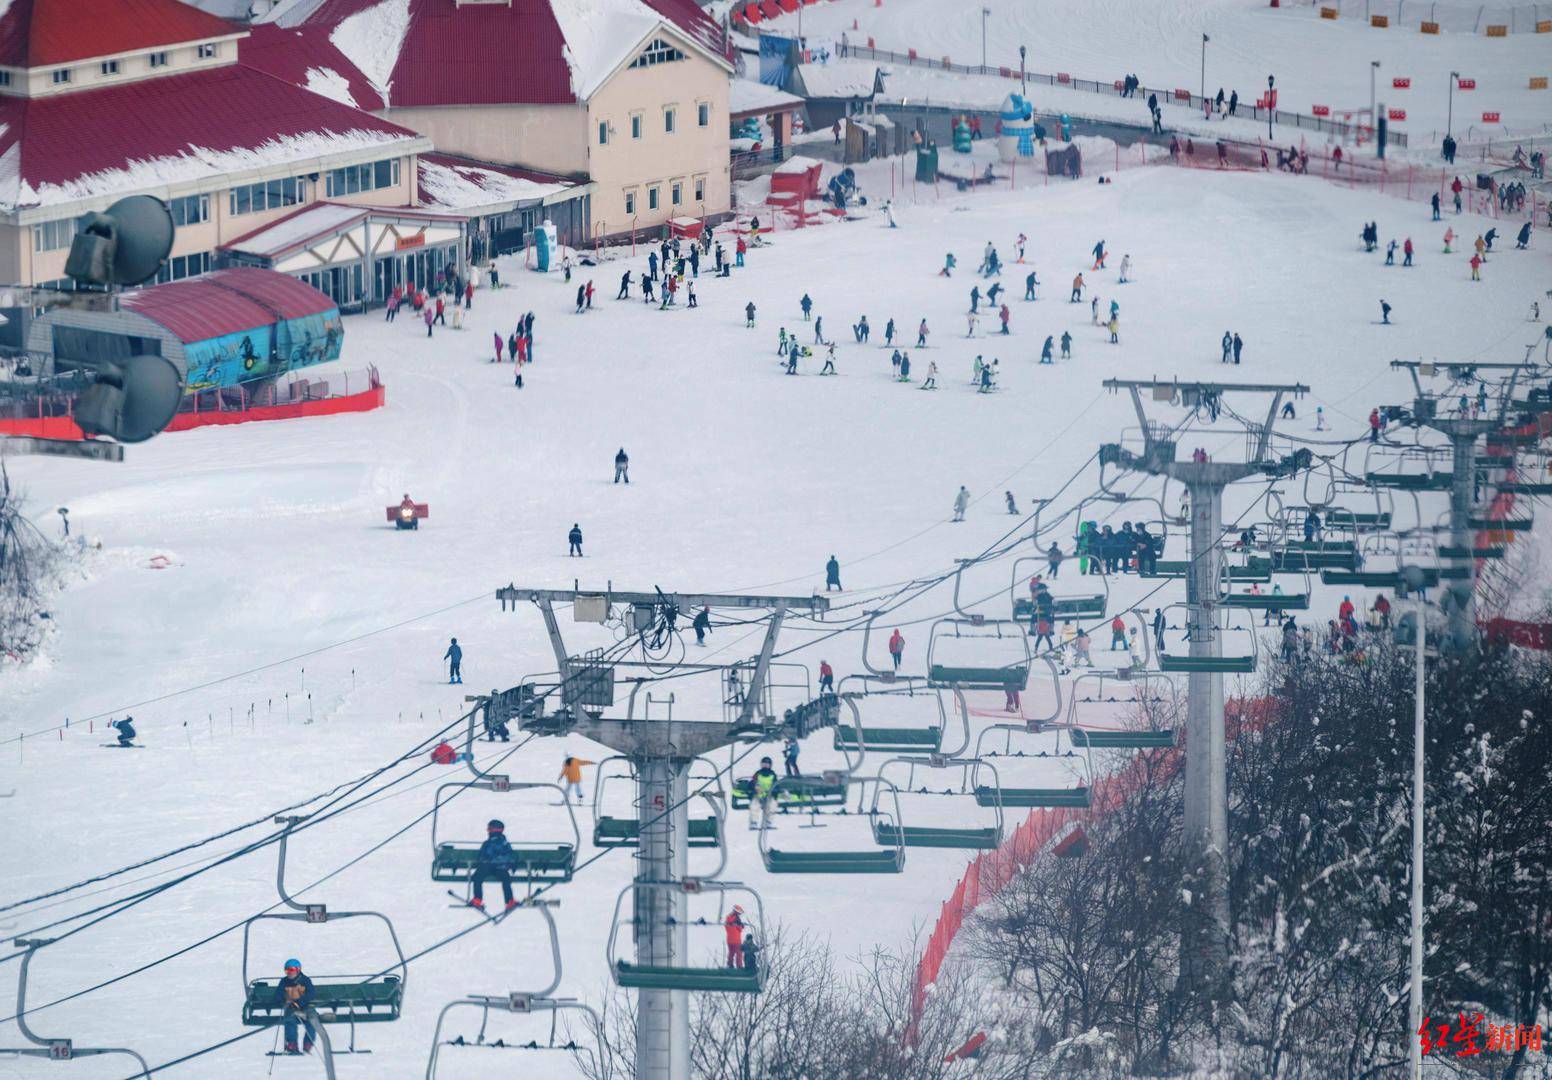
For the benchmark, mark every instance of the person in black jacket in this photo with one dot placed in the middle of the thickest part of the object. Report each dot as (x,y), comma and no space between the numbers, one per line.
(832,574)
(621,466)
(126,730)
(295,994)
(1158,628)
(702,625)
(574,538)
(493,864)
(1147,551)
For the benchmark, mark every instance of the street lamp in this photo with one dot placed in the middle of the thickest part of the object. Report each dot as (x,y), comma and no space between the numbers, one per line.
(985,11)
(1271,105)
(1023,79)
(1374,67)
(1449,122)
(1205,40)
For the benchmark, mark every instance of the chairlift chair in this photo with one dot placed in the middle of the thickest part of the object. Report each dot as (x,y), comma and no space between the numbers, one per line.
(1184,663)
(337,999)
(456,860)
(611,831)
(892,832)
(1029,797)
(60,1049)
(680,974)
(1010,676)
(869,861)
(1064,604)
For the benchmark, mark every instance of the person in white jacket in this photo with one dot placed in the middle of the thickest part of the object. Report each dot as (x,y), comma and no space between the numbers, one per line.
(1126,269)
(961,502)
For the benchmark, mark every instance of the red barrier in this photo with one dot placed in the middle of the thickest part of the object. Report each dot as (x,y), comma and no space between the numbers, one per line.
(1320,110)
(1401,83)
(63,427)
(1466,84)
(1526,635)
(1397,114)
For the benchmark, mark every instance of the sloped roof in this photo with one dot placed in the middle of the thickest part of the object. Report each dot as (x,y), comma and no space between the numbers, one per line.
(455,183)
(226,302)
(837,79)
(143,135)
(305,56)
(535,52)
(41,33)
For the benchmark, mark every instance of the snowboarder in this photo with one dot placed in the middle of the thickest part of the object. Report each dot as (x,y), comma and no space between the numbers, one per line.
(454,658)
(574,538)
(1384,313)
(571,773)
(861,330)
(294,994)
(701,625)
(1099,256)
(493,863)
(749,316)
(896,648)
(622,466)
(961,501)
(948,266)
(832,574)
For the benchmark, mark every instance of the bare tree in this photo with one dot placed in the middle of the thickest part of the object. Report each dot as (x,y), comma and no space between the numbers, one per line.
(30,571)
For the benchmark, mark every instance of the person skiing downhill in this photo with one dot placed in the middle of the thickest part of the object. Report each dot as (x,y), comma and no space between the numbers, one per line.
(621,466)
(574,539)
(571,774)
(961,502)
(1029,286)
(1126,269)
(125,729)
(1077,289)
(931,381)
(1066,345)
(454,658)
(921,335)
(808,307)
(749,314)
(1045,350)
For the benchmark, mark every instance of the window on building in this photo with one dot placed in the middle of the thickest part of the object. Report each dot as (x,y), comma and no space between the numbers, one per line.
(190,209)
(659,52)
(5,78)
(61,75)
(700,189)
(651,198)
(53,235)
(271,195)
(676,192)
(158,59)
(630,202)
(603,133)
(207,51)
(108,67)
(668,121)
(358,178)
(183,266)
(635,125)
(703,114)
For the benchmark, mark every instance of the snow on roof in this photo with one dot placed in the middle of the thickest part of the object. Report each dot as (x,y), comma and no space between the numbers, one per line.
(749,96)
(796,164)
(296,228)
(436,52)
(145,135)
(455,183)
(38,33)
(838,79)
(308,58)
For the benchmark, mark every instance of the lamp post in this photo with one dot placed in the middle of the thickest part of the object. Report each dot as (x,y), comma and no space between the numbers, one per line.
(1271,105)
(1023,79)
(985,11)
(1205,40)
(1449,122)
(1374,67)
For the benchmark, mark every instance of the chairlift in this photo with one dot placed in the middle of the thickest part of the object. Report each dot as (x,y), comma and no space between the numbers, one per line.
(1064,604)
(870,861)
(456,860)
(610,831)
(1185,663)
(337,999)
(1076,796)
(514,1001)
(892,832)
(1009,676)
(675,973)
(59,1048)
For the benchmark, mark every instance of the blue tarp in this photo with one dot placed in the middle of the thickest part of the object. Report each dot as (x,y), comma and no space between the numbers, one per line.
(776,60)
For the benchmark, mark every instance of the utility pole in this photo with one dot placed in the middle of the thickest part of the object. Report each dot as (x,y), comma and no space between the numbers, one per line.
(985,11)
(1463,432)
(1205,40)
(661,751)
(1374,67)
(1415,994)
(1204,948)
(1023,78)
(1449,122)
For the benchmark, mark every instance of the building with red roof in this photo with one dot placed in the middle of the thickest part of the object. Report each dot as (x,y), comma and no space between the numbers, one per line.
(631,95)
(100,99)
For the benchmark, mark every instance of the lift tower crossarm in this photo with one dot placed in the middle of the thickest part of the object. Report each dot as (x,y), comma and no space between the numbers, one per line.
(511,594)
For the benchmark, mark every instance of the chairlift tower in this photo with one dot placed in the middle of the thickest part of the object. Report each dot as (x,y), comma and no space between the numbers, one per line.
(661,750)
(1205,929)
(1463,432)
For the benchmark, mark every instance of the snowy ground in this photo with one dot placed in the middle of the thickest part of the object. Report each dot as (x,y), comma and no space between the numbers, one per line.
(743,479)
(1315,61)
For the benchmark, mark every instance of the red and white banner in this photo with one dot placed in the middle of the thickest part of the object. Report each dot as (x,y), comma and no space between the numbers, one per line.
(1401,84)
(1397,114)
(1320,110)
(1490,117)
(1466,84)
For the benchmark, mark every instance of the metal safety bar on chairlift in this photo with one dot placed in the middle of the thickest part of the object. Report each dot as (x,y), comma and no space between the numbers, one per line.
(692,886)
(861,735)
(514,1001)
(1135,679)
(1225,629)
(716,800)
(316,913)
(1013,590)
(861,782)
(1086,777)
(56,1049)
(970,767)
(501,784)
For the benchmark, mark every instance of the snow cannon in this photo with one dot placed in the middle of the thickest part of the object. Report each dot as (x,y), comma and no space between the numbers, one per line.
(1018,129)
(546,247)
(961,136)
(408,513)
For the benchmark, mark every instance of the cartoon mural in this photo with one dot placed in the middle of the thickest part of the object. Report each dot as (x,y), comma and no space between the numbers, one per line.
(265,351)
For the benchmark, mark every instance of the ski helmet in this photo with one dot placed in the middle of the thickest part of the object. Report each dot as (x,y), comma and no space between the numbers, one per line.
(495,825)
(293,963)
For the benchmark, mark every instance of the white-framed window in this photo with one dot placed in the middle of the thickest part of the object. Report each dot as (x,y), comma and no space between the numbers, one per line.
(183,266)
(668,120)
(676,192)
(700,189)
(603,133)
(108,67)
(357,178)
(652,197)
(703,114)
(659,52)
(635,125)
(60,76)
(54,235)
(270,195)
(207,50)
(630,202)
(158,59)
(5,78)
(190,209)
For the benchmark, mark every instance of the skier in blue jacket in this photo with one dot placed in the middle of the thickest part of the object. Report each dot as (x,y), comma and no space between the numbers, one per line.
(493,864)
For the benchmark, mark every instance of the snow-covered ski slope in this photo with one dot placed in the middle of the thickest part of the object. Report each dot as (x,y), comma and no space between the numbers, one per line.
(1315,61)
(742,479)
